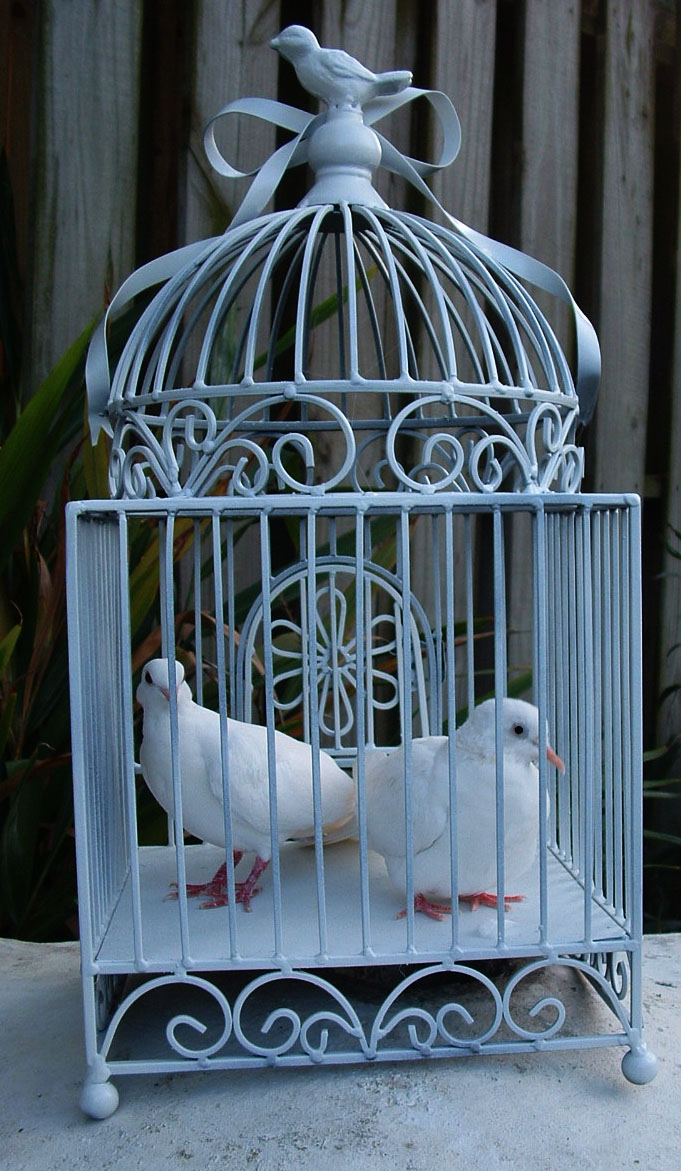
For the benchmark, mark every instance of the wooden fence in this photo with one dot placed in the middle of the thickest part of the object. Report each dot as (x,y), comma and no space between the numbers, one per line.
(570,117)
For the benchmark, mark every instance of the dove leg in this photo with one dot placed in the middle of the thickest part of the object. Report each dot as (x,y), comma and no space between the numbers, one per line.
(432,910)
(483,899)
(247,889)
(216,887)
(244,891)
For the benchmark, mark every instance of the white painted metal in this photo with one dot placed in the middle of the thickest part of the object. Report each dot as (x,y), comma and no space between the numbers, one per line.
(344,647)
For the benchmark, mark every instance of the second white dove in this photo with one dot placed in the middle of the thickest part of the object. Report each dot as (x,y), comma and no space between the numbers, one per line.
(476,807)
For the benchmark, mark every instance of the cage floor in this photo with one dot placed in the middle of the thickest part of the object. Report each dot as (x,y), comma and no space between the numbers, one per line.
(253,943)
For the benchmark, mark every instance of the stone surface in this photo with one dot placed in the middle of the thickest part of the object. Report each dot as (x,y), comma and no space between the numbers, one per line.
(537,1112)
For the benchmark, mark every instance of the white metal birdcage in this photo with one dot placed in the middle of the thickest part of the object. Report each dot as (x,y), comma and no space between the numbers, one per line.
(336,431)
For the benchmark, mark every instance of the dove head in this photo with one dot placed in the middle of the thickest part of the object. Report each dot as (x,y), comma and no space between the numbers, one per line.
(154,686)
(294,42)
(519,731)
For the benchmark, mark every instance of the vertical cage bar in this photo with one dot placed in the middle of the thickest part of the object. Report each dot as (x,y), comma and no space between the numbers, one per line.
(311,623)
(585,685)
(226,566)
(608,714)
(265,577)
(500,688)
(597,718)
(168,625)
(539,672)
(635,860)
(334,665)
(404,576)
(128,779)
(577,778)
(450,676)
(563,666)
(226,779)
(619,712)
(362,695)
(630,766)
(436,692)
(470,613)
(198,617)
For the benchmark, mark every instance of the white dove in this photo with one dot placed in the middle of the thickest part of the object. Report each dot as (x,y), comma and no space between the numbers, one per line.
(332,74)
(475,807)
(201,779)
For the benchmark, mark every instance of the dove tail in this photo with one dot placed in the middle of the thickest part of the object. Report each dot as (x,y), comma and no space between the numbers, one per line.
(393,82)
(338,831)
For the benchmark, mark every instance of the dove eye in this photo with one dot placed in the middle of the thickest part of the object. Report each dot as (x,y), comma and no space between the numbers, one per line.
(519,729)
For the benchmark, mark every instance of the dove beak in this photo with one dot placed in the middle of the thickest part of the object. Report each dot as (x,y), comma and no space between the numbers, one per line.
(554,758)
(165,692)
(274,43)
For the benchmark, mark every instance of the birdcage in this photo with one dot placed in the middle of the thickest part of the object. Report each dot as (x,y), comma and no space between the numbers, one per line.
(344,485)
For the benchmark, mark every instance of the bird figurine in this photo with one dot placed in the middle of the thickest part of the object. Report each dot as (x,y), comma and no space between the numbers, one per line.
(332,74)
(200,767)
(475,756)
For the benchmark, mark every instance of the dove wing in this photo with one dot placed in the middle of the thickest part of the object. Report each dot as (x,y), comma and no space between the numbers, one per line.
(430,796)
(344,67)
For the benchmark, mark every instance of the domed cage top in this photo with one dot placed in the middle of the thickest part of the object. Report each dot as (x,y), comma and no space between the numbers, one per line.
(343,345)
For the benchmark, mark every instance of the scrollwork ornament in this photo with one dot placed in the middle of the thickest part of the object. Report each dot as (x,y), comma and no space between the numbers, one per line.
(134,473)
(613,967)
(436,1026)
(248,475)
(491,477)
(592,968)
(562,462)
(194,420)
(302,444)
(199,1054)
(479,468)
(146,464)
(299,1029)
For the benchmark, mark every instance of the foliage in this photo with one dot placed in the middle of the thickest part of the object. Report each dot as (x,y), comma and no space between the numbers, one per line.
(36,837)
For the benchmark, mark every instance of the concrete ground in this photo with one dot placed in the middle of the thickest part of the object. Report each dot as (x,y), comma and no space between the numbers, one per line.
(536,1112)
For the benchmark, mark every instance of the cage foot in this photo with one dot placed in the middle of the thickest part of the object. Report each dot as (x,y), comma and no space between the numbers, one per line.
(639,1065)
(99,1099)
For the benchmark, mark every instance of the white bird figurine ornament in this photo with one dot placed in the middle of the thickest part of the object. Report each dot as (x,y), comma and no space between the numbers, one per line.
(475,757)
(200,756)
(332,74)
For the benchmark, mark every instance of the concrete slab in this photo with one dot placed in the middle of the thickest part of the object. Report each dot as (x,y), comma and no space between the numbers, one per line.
(540,1112)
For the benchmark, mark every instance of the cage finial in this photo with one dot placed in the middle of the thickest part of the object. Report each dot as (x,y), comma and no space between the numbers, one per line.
(332,74)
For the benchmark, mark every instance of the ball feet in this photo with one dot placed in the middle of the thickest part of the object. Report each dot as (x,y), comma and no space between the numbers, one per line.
(639,1065)
(99,1099)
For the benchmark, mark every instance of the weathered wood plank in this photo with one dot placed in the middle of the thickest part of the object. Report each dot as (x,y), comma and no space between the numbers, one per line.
(462,66)
(231,60)
(86,166)
(464,49)
(548,197)
(548,212)
(626,251)
(670,616)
